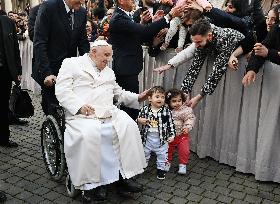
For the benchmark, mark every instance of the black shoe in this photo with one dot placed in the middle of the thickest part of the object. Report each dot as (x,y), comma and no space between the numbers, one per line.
(17,121)
(100,193)
(9,144)
(128,186)
(160,174)
(3,196)
(97,194)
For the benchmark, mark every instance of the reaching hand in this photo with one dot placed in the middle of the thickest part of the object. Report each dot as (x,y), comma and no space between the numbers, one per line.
(159,37)
(177,11)
(233,62)
(50,80)
(143,121)
(145,17)
(162,68)
(194,5)
(158,15)
(194,101)
(248,78)
(260,50)
(143,96)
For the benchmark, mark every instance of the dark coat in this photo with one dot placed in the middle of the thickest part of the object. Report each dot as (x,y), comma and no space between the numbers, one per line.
(272,43)
(54,40)
(126,38)
(11,47)
(31,21)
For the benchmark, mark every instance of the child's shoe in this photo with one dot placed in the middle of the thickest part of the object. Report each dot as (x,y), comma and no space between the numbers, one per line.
(182,169)
(167,166)
(163,46)
(160,174)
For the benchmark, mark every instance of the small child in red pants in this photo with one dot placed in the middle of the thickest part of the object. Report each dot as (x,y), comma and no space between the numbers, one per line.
(184,121)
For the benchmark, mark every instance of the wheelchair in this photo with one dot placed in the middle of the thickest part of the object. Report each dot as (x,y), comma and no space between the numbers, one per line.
(53,150)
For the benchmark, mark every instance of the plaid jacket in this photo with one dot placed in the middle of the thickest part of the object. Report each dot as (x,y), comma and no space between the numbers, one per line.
(166,127)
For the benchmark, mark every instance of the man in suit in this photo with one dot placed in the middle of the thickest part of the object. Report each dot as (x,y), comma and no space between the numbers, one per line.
(10,70)
(60,29)
(126,38)
(31,20)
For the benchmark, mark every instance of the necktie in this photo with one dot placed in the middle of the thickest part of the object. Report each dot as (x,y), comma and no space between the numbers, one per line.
(70,19)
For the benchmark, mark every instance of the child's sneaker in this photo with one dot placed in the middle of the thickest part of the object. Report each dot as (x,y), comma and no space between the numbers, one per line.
(167,166)
(182,169)
(160,174)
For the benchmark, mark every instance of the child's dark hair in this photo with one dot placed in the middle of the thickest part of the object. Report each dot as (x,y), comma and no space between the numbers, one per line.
(156,89)
(173,93)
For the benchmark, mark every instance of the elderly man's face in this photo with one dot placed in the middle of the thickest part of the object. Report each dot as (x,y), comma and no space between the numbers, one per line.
(101,55)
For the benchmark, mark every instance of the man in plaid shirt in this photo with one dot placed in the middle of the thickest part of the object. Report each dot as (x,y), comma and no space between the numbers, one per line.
(157,128)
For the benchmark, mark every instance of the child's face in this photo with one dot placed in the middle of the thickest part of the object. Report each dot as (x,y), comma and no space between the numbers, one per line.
(157,100)
(176,102)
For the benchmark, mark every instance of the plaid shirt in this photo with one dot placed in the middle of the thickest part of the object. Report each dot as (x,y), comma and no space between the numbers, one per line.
(166,127)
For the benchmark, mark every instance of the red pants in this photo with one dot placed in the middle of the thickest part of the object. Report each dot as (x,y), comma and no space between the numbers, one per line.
(183,143)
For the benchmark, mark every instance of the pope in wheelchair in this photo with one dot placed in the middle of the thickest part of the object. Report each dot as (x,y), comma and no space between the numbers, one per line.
(102,144)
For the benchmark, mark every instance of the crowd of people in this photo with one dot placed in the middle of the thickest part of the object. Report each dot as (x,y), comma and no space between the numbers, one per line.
(73,43)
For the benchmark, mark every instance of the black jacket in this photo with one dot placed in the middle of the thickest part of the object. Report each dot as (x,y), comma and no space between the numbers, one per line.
(272,43)
(54,40)
(31,21)
(11,47)
(126,38)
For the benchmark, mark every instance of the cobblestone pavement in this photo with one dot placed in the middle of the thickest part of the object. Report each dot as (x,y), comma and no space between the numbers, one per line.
(24,178)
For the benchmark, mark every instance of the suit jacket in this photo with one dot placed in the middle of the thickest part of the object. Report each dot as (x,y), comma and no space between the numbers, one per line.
(54,40)
(11,47)
(126,38)
(31,20)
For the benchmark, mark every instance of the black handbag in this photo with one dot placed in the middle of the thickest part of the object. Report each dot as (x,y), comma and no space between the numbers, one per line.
(21,103)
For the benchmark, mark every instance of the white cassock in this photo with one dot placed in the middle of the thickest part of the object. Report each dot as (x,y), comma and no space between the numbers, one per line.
(99,146)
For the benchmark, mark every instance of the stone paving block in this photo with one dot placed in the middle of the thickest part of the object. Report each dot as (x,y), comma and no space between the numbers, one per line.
(164,196)
(276,191)
(154,185)
(207,185)
(196,190)
(195,175)
(269,202)
(37,199)
(24,195)
(222,176)
(210,173)
(157,201)
(210,194)
(221,190)
(13,190)
(208,179)
(266,195)
(252,199)
(63,199)
(265,187)
(236,201)
(224,199)
(251,191)
(194,182)
(194,197)
(168,189)
(237,194)
(182,186)
(276,198)
(221,182)
(52,195)
(14,201)
(237,187)
(177,200)
(41,191)
(146,199)
(250,184)
(180,193)
(208,201)
(237,180)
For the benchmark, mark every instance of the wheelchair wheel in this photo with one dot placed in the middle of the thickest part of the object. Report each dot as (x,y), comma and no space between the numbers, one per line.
(71,191)
(52,148)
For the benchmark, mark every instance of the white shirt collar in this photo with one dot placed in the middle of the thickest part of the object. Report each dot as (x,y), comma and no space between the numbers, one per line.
(127,12)
(67,7)
(94,65)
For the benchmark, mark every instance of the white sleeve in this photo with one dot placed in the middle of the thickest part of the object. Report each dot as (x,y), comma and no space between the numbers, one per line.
(183,56)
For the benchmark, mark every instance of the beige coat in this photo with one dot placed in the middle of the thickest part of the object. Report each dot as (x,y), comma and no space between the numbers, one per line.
(77,84)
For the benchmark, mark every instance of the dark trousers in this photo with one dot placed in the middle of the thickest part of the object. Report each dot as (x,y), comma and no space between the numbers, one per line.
(5,85)
(129,83)
(48,98)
